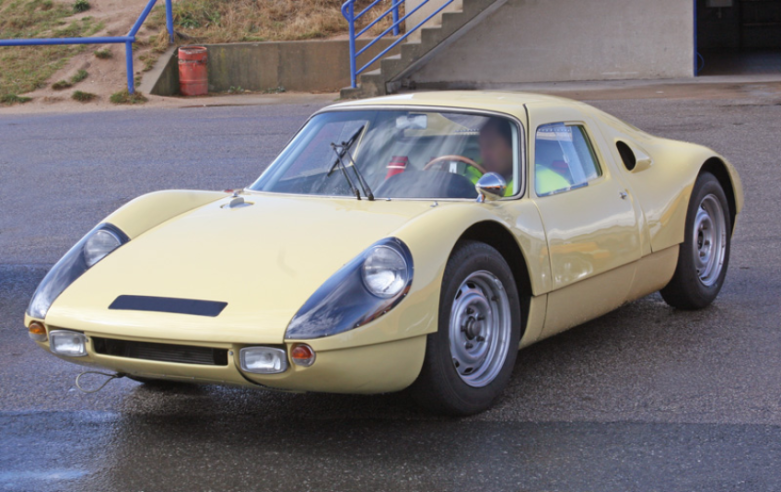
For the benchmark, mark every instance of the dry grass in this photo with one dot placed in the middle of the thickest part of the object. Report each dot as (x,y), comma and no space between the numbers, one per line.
(228,21)
(26,68)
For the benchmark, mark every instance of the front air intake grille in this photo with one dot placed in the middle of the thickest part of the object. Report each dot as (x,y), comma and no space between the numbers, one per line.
(162,352)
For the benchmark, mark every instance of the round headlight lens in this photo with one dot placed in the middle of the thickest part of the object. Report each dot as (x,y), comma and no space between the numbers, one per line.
(99,245)
(385,272)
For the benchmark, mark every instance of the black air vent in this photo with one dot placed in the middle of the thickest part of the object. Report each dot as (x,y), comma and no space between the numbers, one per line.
(194,307)
(626,155)
(162,352)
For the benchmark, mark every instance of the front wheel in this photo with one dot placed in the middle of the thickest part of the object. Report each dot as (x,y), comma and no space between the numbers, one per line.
(471,356)
(704,253)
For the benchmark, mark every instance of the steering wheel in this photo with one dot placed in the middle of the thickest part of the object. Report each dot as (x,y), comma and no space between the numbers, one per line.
(461,158)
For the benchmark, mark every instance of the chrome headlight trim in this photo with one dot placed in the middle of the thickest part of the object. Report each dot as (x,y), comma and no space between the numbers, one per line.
(68,269)
(345,301)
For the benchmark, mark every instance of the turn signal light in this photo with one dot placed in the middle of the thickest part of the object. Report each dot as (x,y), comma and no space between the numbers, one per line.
(302,355)
(37,331)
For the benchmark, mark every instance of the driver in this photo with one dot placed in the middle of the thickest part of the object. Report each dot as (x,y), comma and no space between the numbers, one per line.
(496,151)
(496,148)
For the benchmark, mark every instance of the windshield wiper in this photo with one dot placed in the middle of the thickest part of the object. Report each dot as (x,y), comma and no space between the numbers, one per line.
(344,149)
(364,185)
(345,146)
(341,166)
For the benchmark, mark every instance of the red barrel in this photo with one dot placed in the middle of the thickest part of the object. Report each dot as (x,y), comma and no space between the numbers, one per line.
(193,76)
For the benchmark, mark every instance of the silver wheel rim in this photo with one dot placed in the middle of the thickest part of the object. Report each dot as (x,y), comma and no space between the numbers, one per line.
(480,328)
(710,240)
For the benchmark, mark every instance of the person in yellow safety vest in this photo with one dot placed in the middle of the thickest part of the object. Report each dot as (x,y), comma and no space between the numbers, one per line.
(496,155)
(496,152)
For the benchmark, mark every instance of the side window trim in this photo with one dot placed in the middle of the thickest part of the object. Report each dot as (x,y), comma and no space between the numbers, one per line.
(520,157)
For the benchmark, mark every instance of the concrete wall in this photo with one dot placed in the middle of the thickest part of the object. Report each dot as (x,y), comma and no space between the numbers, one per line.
(306,66)
(426,10)
(559,40)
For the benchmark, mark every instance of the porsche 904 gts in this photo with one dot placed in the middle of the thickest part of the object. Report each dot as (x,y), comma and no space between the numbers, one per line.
(406,242)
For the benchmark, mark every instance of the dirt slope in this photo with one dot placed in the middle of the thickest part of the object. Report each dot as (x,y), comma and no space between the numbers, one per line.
(106,76)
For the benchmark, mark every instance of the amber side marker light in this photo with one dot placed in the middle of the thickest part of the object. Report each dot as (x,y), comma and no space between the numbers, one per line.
(37,331)
(302,355)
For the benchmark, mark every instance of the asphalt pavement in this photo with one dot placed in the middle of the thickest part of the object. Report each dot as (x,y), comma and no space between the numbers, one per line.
(645,398)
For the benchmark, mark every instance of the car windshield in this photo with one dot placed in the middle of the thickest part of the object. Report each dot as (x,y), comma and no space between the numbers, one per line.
(397,153)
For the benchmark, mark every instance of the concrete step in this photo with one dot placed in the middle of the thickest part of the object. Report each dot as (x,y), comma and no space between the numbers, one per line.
(415,54)
(393,64)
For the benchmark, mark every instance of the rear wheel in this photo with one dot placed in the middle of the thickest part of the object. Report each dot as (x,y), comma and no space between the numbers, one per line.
(471,356)
(704,253)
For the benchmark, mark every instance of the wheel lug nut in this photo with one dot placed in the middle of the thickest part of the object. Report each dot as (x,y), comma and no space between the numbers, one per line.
(480,339)
(468,345)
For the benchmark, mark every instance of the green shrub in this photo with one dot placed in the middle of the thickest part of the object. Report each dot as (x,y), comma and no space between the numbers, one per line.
(10,99)
(61,85)
(124,97)
(104,54)
(80,75)
(83,96)
(81,6)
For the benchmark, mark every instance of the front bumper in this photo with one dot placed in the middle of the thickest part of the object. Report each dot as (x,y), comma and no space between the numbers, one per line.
(372,368)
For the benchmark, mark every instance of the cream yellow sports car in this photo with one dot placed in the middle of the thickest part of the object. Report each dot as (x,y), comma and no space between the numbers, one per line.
(407,242)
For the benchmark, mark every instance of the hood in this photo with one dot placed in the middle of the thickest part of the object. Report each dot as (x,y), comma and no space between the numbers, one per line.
(264,259)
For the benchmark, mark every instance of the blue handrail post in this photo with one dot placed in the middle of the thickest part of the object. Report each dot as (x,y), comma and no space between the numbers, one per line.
(395,18)
(351,23)
(131,83)
(169,20)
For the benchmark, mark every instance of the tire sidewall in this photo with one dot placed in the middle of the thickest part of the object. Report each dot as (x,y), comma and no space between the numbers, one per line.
(701,294)
(479,256)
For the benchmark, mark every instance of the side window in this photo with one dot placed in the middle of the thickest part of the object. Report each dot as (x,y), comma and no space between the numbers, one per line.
(564,159)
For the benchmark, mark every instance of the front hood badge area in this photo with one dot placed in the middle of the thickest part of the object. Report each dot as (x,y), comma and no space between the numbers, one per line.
(237,201)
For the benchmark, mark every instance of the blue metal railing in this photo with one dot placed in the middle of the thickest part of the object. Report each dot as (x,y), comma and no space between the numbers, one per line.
(348,11)
(129,39)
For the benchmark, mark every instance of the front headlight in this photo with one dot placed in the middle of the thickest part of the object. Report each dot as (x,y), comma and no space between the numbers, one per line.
(93,247)
(360,292)
(385,271)
(100,244)
(69,343)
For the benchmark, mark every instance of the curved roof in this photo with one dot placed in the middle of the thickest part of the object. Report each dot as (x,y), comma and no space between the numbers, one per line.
(506,102)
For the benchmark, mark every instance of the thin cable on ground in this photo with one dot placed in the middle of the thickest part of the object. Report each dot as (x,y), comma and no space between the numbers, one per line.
(109,376)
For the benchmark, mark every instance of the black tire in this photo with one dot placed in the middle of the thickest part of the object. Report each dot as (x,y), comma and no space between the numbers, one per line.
(687,290)
(439,387)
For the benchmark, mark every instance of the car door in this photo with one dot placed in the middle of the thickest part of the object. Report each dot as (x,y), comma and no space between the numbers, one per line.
(590,221)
